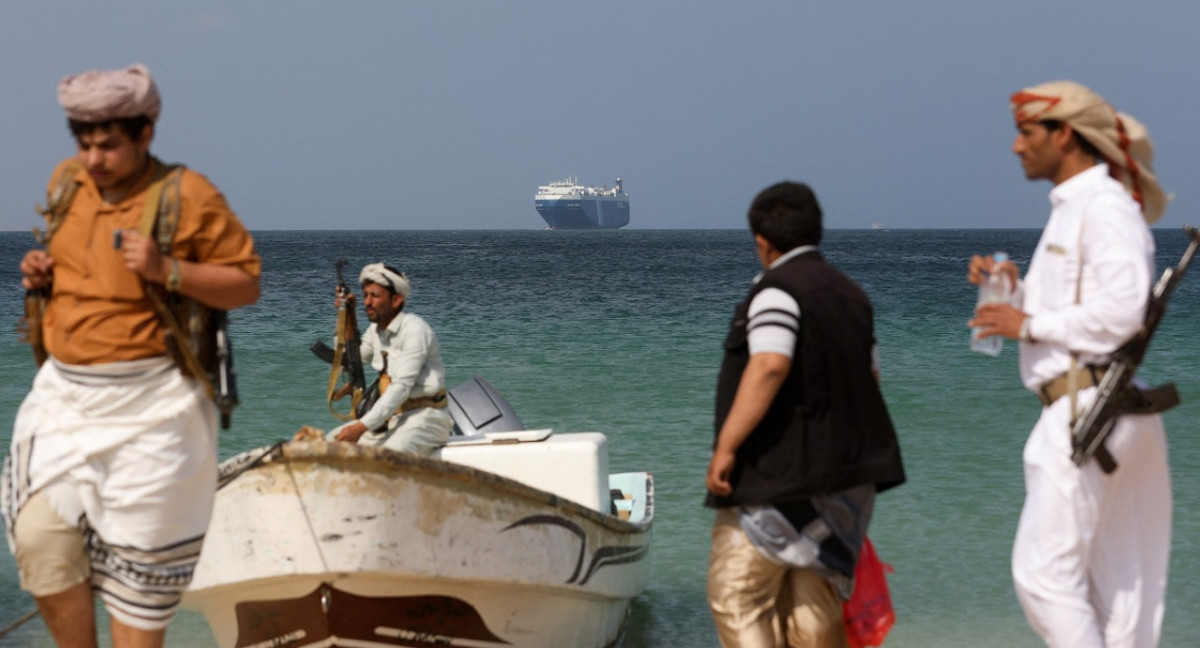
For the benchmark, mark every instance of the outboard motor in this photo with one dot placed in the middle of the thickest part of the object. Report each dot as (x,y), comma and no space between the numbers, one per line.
(477,407)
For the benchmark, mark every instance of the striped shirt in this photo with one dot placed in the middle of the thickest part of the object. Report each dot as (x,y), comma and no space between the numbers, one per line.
(774,324)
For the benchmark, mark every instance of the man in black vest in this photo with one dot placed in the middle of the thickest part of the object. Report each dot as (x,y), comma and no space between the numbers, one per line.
(803,439)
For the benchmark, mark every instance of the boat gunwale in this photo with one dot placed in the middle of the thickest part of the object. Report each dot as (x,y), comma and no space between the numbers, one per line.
(383,460)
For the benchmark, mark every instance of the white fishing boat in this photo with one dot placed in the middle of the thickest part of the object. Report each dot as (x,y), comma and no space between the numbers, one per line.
(510,537)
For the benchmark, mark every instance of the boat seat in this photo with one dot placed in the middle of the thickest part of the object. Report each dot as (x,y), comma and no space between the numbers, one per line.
(620,503)
(477,407)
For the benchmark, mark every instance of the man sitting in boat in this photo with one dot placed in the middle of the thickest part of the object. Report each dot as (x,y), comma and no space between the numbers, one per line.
(410,413)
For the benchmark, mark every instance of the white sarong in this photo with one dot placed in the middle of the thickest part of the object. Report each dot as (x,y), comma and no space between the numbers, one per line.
(128,450)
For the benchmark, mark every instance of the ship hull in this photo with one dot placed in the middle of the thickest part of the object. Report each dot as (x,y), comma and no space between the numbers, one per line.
(584,213)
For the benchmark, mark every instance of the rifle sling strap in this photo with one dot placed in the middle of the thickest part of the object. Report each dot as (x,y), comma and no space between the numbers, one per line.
(160,219)
(1074,373)
(59,201)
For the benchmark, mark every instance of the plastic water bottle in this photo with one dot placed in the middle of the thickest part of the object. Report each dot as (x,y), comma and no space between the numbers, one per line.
(994,288)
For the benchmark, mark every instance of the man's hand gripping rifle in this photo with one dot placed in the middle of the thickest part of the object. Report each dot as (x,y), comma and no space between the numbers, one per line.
(1116,395)
(345,356)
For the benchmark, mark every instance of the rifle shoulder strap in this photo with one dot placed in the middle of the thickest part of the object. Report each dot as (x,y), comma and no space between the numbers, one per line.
(58,203)
(160,219)
(160,214)
(1072,375)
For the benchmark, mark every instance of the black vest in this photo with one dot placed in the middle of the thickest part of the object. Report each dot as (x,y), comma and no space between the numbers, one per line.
(828,428)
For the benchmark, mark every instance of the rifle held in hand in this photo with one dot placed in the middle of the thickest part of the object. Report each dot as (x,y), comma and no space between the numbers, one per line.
(347,356)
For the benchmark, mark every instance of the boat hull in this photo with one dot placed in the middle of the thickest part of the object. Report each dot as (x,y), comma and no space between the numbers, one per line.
(335,544)
(584,213)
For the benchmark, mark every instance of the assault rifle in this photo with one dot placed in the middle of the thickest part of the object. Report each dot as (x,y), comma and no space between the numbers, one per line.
(1116,395)
(345,356)
(223,376)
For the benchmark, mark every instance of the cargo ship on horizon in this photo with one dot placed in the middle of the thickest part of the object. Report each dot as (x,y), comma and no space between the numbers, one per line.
(567,204)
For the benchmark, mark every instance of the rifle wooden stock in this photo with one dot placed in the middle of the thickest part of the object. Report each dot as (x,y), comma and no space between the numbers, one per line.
(1116,395)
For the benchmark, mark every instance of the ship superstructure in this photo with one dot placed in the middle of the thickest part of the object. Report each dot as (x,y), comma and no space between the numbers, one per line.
(567,204)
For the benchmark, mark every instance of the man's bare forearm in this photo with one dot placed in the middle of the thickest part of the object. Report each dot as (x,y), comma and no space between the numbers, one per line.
(218,286)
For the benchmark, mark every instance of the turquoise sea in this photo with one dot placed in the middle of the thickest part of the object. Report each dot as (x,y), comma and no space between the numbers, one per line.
(620,332)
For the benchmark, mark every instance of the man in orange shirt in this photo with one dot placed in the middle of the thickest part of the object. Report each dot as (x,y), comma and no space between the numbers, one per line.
(109,483)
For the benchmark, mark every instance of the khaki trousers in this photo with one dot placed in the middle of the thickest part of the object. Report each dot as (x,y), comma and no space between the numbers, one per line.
(756,603)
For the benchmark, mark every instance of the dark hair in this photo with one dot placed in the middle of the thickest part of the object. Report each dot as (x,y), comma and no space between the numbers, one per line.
(131,126)
(1080,141)
(788,215)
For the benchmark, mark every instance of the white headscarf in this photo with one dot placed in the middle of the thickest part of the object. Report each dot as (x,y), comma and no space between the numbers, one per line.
(386,276)
(101,95)
(1121,139)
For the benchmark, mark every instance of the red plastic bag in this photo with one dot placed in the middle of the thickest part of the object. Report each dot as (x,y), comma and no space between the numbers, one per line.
(869,614)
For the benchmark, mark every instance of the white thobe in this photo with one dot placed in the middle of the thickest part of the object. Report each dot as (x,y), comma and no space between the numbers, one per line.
(1091,553)
(407,349)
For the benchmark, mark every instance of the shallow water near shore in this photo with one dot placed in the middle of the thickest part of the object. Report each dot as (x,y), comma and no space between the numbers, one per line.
(620,332)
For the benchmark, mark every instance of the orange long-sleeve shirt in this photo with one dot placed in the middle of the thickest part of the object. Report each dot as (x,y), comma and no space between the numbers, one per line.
(98,311)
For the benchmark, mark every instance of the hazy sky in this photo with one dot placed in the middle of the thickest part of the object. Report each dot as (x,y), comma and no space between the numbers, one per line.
(448,115)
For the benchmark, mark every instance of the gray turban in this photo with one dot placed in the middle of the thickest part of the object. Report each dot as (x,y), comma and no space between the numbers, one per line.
(102,95)
(386,276)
